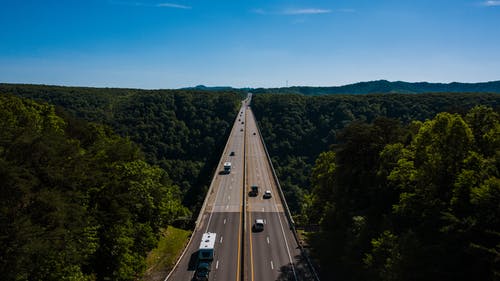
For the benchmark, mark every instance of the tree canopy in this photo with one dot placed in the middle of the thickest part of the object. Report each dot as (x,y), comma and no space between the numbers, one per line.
(78,202)
(298,128)
(419,202)
(182,131)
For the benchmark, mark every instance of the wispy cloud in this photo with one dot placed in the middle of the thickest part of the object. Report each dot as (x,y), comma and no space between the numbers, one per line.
(308,11)
(259,11)
(302,11)
(491,3)
(292,12)
(157,5)
(172,5)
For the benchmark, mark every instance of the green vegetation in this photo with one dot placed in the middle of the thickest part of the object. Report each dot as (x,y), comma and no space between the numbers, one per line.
(81,203)
(182,131)
(391,197)
(77,201)
(298,128)
(383,86)
(420,202)
(399,187)
(162,259)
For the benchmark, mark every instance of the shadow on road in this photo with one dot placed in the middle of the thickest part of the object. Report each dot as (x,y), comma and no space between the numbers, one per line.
(301,268)
(193,260)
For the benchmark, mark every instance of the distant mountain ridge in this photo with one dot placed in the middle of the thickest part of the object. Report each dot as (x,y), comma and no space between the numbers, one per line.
(369,87)
(384,86)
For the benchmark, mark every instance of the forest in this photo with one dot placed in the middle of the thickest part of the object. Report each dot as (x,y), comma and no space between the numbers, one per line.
(90,176)
(386,87)
(78,202)
(390,186)
(182,131)
(395,187)
(297,128)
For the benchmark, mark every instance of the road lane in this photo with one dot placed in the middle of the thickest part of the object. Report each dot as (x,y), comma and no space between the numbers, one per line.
(221,214)
(275,253)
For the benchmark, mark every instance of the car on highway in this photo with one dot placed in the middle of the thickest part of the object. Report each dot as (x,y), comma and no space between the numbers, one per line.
(232,153)
(254,190)
(258,225)
(254,133)
(267,194)
(241,130)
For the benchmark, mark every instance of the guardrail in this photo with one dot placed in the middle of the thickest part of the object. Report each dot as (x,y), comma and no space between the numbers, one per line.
(288,214)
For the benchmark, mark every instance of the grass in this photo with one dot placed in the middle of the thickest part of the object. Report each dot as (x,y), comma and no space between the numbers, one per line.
(162,259)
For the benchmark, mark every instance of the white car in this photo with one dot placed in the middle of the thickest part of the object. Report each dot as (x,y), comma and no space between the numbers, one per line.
(258,225)
(267,194)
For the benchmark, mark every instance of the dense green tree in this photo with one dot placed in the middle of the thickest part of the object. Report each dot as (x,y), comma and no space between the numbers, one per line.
(77,201)
(414,203)
(182,131)
(298,128)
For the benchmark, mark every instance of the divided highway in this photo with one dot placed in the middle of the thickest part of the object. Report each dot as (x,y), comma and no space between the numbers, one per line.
(270,254)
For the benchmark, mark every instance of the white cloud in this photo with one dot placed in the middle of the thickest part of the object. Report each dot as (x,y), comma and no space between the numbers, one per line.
(309,11)
(491,3)
(295,12)
(259,11)
(142,4)
(173,5)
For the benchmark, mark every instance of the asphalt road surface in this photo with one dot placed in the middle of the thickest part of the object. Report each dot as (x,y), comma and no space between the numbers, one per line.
(270,254)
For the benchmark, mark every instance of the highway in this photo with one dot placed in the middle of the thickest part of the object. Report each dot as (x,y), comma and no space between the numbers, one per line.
(271,254)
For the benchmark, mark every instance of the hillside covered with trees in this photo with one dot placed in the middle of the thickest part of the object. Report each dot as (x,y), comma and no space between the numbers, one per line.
(384,86)
(182,131)
(297,128)
(416,202)
(396,197)
(78,202)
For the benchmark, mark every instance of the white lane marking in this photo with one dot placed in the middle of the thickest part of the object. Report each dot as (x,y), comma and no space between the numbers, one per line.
(224,221)
(217,265)
(229,198)
(221,239)
(268,242)
(262,209)
(227,206)
(212,212)
(286,244)
(265,221)
(272,265)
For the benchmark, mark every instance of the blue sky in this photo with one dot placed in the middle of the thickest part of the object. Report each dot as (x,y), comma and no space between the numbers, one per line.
(258,43)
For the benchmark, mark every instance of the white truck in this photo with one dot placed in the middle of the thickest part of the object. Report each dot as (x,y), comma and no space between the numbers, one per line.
(205,256)
(227,167)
